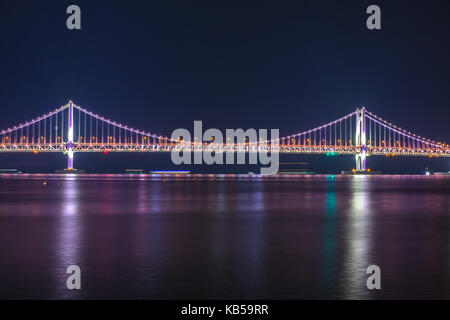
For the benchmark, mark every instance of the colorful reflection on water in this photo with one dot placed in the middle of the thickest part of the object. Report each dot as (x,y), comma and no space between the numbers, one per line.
(224,236)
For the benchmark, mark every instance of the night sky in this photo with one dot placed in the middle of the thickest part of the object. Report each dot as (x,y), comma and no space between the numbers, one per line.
(290,65)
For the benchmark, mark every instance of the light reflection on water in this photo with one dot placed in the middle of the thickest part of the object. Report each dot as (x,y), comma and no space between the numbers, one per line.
(69,233)
(358,239)
(243,236)
(328,265)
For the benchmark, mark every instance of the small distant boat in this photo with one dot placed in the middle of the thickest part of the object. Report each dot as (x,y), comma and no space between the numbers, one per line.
(170,172)
(296,172)
(134,171)
(9,171)
(294,168)
(442,173)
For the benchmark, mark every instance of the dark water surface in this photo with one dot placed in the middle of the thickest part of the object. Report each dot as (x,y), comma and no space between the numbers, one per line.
(220,237)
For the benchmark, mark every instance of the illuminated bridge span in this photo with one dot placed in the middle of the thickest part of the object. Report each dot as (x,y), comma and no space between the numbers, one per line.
(71,129)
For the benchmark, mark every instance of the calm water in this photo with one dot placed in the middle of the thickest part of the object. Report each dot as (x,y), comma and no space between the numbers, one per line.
(221,237)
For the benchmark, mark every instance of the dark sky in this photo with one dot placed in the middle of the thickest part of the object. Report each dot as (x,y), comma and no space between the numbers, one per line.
(290,65)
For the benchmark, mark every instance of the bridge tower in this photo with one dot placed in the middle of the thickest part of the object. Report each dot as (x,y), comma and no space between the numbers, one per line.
(361,139)
(70,138)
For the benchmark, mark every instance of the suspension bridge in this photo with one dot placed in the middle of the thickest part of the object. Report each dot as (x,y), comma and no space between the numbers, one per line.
(71,129)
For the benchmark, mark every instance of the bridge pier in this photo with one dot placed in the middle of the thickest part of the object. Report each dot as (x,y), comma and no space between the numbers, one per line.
(70,159)
(361,162)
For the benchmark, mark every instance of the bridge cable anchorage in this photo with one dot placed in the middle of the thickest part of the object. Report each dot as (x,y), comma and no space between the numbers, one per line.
(71,128)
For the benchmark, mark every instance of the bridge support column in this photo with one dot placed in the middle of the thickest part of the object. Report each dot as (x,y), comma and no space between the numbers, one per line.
(70,160)
(70,138)
(361,139)
(360,162)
